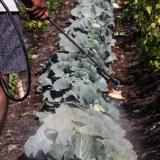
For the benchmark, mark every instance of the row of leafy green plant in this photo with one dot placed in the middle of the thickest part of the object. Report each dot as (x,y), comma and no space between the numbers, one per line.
(146,17)
(84,123)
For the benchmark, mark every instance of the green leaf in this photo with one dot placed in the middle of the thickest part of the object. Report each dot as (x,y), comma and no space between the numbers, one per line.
(67,45)
(73,131)
(149,9)
(84,147)
(158,6)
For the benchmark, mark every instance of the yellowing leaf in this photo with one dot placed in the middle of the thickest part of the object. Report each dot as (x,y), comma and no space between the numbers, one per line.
(149,9)
(153,25)
(158,20)
(144,42)
(158,6)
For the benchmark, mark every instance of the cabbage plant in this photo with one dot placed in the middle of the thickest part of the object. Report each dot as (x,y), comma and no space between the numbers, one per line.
(85,124)
(73,133)
(70,75)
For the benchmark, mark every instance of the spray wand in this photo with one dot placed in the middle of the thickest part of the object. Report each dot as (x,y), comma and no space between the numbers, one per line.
(100,70)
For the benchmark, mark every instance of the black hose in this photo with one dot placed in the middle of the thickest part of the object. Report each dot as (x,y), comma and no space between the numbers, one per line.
(2,82)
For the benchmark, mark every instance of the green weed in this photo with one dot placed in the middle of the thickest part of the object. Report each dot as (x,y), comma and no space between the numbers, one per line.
(146,18)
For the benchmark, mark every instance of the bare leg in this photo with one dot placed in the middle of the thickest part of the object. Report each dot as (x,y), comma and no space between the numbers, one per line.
(3,105)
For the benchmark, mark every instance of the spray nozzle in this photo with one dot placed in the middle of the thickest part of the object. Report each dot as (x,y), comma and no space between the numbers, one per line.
(114,93)
(119,86)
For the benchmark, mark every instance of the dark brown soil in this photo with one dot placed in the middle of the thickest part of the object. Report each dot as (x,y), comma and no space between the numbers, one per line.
(141,89)
(142,92)
(21,121)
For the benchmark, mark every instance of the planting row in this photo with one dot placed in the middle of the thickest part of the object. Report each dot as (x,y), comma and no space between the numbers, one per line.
(84,125)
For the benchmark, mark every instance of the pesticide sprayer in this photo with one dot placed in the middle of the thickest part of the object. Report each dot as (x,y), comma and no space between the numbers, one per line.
(100,69)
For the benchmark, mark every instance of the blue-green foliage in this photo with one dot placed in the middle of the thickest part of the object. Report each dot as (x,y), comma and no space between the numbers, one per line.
(79,129)
(70,76)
